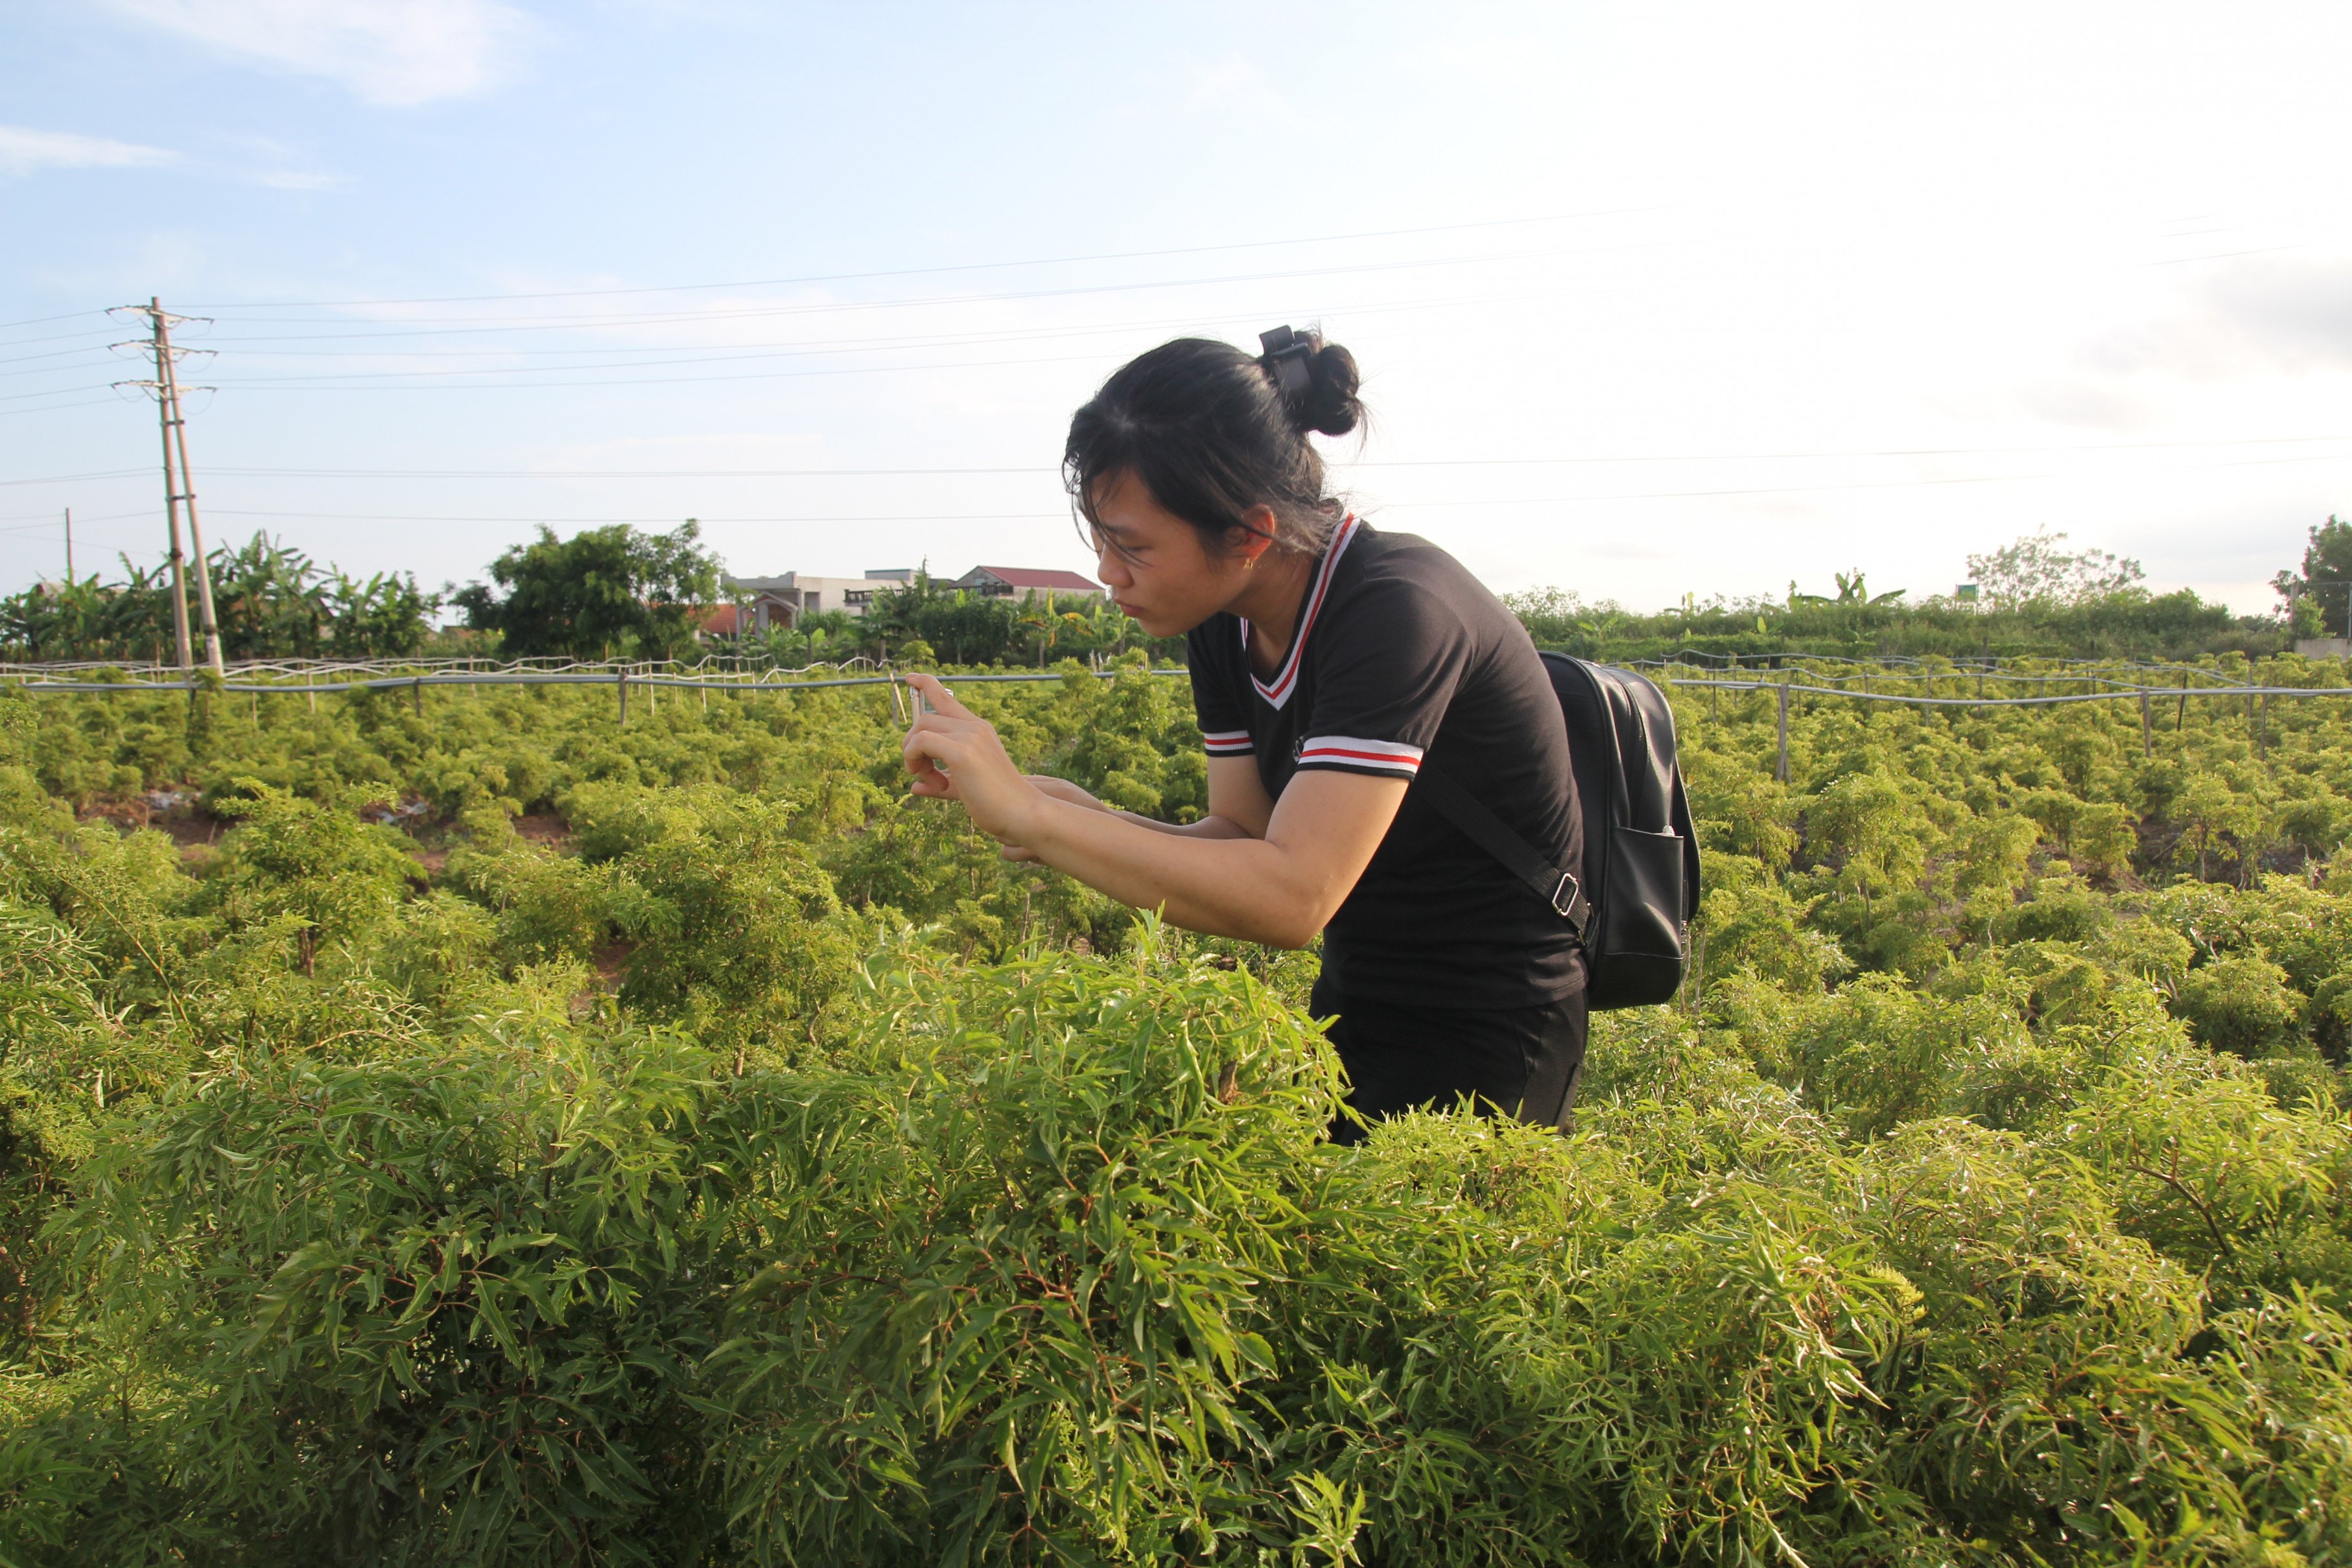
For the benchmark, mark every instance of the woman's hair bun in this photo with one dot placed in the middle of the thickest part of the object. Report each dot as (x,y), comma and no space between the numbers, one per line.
(1316,381)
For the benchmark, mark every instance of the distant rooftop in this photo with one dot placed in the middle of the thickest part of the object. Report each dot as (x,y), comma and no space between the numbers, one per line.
(1021,576)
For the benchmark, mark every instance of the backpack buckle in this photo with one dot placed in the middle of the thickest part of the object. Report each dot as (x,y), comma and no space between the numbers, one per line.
(1564,896)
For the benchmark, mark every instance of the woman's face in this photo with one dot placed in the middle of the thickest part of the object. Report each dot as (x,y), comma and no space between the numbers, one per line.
(1154,564)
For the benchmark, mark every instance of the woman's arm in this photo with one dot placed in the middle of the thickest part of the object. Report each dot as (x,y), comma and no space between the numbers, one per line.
(1239,807)
(1279,887)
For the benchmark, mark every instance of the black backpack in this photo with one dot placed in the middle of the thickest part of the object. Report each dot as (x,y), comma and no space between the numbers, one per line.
(1632,900)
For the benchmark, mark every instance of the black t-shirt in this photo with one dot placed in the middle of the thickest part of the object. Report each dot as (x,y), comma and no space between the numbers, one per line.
(1400,652)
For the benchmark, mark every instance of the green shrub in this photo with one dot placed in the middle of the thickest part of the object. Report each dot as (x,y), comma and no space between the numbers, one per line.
(749,1166)
(2241,1003)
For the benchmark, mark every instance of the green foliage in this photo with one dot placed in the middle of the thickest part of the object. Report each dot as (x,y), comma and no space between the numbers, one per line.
(737,930)
(601,593)
(306,868)
(2035,570)
(966,628)
(2320,595)
(499,1135)
(2030,598)
(268,601)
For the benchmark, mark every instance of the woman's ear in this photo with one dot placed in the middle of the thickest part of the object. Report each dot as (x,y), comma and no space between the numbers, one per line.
(1253,535)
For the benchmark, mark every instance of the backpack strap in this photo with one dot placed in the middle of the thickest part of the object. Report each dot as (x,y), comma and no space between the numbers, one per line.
(1556,887)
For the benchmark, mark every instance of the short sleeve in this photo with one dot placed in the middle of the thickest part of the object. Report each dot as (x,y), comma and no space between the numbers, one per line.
(1384,675)
(1225,729)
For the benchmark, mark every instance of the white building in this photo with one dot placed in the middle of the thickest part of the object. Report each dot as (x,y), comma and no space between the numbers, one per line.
(781,602)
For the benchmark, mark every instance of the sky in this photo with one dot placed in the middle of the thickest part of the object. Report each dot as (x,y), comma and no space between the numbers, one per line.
(1651,299)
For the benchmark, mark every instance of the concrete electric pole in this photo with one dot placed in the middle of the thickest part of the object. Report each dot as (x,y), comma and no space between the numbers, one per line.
(178,489)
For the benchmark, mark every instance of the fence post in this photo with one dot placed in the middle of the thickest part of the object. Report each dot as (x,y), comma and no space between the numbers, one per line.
(621,679)
(2146,729)
(417,695)
(1781,768)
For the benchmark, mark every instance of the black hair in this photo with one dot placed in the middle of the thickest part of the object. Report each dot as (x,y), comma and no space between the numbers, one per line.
(1212,432)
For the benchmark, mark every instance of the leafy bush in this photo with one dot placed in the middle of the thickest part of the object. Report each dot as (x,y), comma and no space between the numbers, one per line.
(734,1161)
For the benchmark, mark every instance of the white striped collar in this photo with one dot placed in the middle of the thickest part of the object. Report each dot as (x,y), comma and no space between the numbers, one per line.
(1277,691)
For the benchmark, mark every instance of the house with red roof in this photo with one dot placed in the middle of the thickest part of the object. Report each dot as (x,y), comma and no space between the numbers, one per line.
(1010,581)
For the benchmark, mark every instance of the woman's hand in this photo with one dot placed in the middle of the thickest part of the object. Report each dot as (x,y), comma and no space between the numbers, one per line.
(955,754)
(1053,789)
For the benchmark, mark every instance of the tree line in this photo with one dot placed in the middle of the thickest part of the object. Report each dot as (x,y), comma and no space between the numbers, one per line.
(269,602)
(620,592)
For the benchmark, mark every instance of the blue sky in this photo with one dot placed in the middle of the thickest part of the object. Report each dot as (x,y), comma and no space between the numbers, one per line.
(1653,299)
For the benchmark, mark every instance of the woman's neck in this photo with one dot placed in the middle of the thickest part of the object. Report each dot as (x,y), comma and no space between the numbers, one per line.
(1270,603)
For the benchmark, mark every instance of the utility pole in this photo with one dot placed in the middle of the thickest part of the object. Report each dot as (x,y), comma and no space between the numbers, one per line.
(164,366)
(172,512)
(69,577)
(178,489)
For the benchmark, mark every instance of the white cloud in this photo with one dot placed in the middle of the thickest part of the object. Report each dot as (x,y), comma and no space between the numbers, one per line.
(393,52)
(22,150)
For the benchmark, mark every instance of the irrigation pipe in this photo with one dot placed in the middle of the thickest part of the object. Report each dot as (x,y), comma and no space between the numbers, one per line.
(546,678)
(756,684)
(2116,695)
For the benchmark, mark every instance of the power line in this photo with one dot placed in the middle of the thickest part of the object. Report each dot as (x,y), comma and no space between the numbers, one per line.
(932,337)
(537,517)
(928,271)
(715,357)
(75,478)
(814,345)
(428,327)
(51,391)
(57,407)
(309,387)
(1573,459)
(52,338)
(56,354)
(672,518)
(78,315)
(805,345)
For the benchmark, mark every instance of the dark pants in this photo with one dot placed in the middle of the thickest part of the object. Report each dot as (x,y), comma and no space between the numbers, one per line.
(1518,1061)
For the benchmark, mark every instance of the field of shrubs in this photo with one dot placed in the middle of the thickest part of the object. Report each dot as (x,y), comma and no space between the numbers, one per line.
(475,1131)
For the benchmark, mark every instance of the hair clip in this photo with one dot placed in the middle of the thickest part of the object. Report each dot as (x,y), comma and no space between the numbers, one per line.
(1285,359)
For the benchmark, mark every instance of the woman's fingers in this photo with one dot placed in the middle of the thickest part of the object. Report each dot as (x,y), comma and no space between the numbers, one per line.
(925,748)
(941,699)
(955,754)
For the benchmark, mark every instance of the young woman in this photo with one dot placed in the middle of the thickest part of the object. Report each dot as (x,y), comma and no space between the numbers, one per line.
(1329,661)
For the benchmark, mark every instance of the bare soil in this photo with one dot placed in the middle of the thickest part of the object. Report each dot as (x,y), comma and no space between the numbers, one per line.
(190,827)
(544,827)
